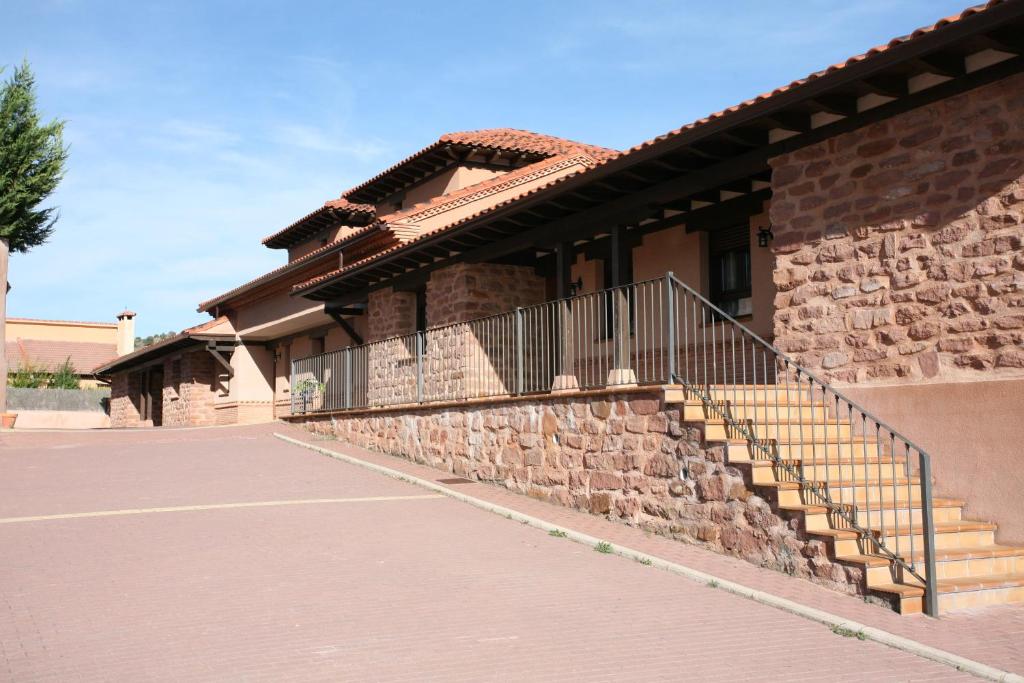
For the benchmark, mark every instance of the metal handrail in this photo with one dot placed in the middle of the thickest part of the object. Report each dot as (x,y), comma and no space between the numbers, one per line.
(640,333)
(769,447)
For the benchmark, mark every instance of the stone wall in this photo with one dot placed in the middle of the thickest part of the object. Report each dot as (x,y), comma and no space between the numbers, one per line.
(188,393)
(898,244)
(124,390)
(389,314)
(466,291)
(186,398)
(475,359)
(623,456)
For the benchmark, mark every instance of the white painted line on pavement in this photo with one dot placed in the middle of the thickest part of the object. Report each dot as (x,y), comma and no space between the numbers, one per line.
(217,506)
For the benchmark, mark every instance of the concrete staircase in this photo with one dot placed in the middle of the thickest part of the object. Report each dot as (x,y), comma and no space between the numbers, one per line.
(816,448)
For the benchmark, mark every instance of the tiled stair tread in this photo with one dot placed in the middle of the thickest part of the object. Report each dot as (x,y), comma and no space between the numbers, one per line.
(948,586)
(743,402)
(819,440)
(843,446)
(846,483)
(941,555)
(902,589)
(875,506)
(977,583)
(834,460)
(940,528)
(807,422)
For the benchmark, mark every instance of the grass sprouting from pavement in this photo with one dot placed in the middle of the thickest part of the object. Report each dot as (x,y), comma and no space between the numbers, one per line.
(848,632)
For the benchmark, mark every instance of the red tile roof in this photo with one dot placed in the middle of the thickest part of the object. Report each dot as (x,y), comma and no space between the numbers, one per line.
(340,207)
(498,184)
(52,354)
(622,159)
(168,344)
(503,139)
(873,52)
(283,270)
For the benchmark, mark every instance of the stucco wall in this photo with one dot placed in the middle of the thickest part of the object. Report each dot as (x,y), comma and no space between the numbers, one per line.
(899,245)
(973,432)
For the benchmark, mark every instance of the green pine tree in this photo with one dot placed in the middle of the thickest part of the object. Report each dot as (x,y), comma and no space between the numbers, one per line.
(32,156)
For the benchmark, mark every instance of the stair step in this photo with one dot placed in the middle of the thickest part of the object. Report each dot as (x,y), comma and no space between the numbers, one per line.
(740,450)
(956,594)
(950,563)
(840,467)
(940,528)
(696,410)
(875,506)
(783,431)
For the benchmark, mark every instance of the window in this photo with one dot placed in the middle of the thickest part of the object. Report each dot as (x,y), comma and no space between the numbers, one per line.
(319,345)
(729,267)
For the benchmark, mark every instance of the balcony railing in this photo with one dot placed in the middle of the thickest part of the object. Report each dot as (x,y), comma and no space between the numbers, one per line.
(661,331)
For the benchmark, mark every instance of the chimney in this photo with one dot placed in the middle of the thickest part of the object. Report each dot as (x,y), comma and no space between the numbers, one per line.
(125,332)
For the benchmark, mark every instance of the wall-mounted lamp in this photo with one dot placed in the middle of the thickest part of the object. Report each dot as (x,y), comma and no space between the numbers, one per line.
(576,287)
(765,236)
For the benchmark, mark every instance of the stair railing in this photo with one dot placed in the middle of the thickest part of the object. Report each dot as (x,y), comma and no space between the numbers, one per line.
(842,457)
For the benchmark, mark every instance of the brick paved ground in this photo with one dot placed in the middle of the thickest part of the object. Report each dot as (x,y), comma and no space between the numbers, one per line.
(400,589)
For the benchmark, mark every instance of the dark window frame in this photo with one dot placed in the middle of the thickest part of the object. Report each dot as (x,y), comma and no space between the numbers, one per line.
(730,258)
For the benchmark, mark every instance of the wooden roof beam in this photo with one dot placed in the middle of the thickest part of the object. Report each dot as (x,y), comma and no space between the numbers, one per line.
(1005,41)
(887,86)
(941,64)
(841,105)
(798,122)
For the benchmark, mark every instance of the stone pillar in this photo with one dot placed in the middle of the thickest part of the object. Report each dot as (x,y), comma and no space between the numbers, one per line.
(621,373)
(565,379)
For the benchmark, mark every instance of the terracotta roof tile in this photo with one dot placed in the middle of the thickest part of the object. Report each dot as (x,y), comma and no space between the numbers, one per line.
(152,349)
(507,139)
(877,50)
(52,354)
(341,206)
(401,245)
(623,156)
(277,272)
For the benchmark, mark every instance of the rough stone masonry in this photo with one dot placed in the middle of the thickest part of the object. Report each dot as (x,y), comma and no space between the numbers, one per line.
(624,456)
(898,244)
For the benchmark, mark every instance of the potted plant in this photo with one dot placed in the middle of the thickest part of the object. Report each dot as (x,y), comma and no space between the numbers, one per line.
(311,391)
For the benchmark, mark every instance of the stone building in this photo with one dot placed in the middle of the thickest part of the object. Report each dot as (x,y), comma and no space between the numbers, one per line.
(790,330)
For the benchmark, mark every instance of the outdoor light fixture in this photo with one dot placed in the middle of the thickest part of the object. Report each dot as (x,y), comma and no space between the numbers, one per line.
(764,236)
(575,287)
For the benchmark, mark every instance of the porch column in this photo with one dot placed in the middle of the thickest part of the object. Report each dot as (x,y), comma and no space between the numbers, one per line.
(622,372)
(565,379)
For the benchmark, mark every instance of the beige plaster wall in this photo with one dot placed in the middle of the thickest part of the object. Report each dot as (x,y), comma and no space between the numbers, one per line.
(55,330)
(252,384)
(278,316)
(973,432)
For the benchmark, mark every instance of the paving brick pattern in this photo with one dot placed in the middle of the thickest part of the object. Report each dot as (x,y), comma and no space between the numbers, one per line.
(428,589)
(990,635)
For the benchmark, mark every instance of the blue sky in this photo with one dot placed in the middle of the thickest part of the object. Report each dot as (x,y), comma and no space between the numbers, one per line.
(196,129)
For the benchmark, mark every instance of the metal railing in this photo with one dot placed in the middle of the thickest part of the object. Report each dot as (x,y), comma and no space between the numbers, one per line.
(834,452)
